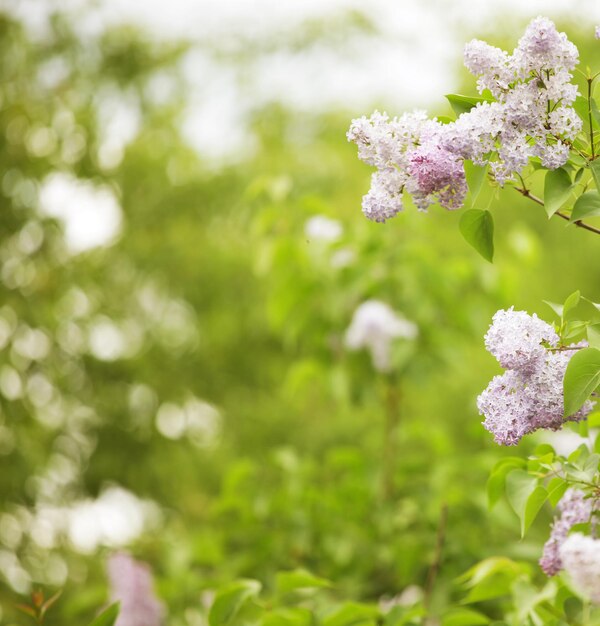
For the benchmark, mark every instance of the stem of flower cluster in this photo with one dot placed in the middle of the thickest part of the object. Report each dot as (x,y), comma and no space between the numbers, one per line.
(589,82)
(525,192)
(437,560)
(392,418)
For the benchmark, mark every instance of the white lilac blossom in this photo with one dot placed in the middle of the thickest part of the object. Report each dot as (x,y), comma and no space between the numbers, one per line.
(515,403)
(374,326)
(530,116)
(322,228)
(516,339)
(131,584)
(580,556)
(574,509)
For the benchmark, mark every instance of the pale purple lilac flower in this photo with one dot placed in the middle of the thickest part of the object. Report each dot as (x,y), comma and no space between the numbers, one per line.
(530,117)
(374,326)
(574,509)
(597,32)
(529,395)
(516,339)
(580,556)
(409,154)
(516,404)
(131,584)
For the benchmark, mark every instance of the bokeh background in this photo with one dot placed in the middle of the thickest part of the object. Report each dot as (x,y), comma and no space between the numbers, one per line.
(174,379)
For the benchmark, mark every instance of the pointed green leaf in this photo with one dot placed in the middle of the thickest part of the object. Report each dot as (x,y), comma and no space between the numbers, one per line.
(497,481)
(557,189)
(477,227)
(593,335)
(587,205)
(557,308)
(525,496)
(464,617)
(581,378)
(299,579)
(571,302)
(352,614)
(475,175)
(108,617)
(230,599)
(595,169)
(556,489)
(462,104)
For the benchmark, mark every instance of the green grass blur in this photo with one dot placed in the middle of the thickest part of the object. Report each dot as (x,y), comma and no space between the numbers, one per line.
(230,400)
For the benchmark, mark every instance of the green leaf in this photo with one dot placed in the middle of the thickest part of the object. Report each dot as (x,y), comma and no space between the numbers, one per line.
(595,169)
(581,108)
(463,104)
(593,335)
(587,205)
(475,175)
(497,480)
(557,189)
(477,227)
(571,302)
(297,580)
(230,599)
(581,378)
(556,489)
(464,617)
(595,111)
(288,617)
(557,308)
(525,496)
(352,614)
(108,617)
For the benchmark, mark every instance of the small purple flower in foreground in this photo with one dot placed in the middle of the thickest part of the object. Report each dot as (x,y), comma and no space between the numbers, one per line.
(574,509)
(581,558)
(131,584)
(597,32)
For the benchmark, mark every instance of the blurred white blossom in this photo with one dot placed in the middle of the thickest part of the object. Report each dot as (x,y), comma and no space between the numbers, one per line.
(322,228)
(374,326)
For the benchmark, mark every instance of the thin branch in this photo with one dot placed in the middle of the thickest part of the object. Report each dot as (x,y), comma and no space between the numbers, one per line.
(525,192)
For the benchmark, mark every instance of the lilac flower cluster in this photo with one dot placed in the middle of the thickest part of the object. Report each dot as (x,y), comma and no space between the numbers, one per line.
(529,395)
(581,559)
(574,509)
(408,154)
(530,116)
(131,584)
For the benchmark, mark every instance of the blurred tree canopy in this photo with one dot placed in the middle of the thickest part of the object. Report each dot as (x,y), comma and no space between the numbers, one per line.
(192,365)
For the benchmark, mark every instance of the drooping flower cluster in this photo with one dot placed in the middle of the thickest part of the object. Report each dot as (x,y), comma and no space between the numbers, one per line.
(131,584)
(573,509)
(528,115)
(580,555)
(374,326)
(408,154)
(529,395)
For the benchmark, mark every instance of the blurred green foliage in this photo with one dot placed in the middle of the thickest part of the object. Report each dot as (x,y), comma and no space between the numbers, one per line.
(228,398)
